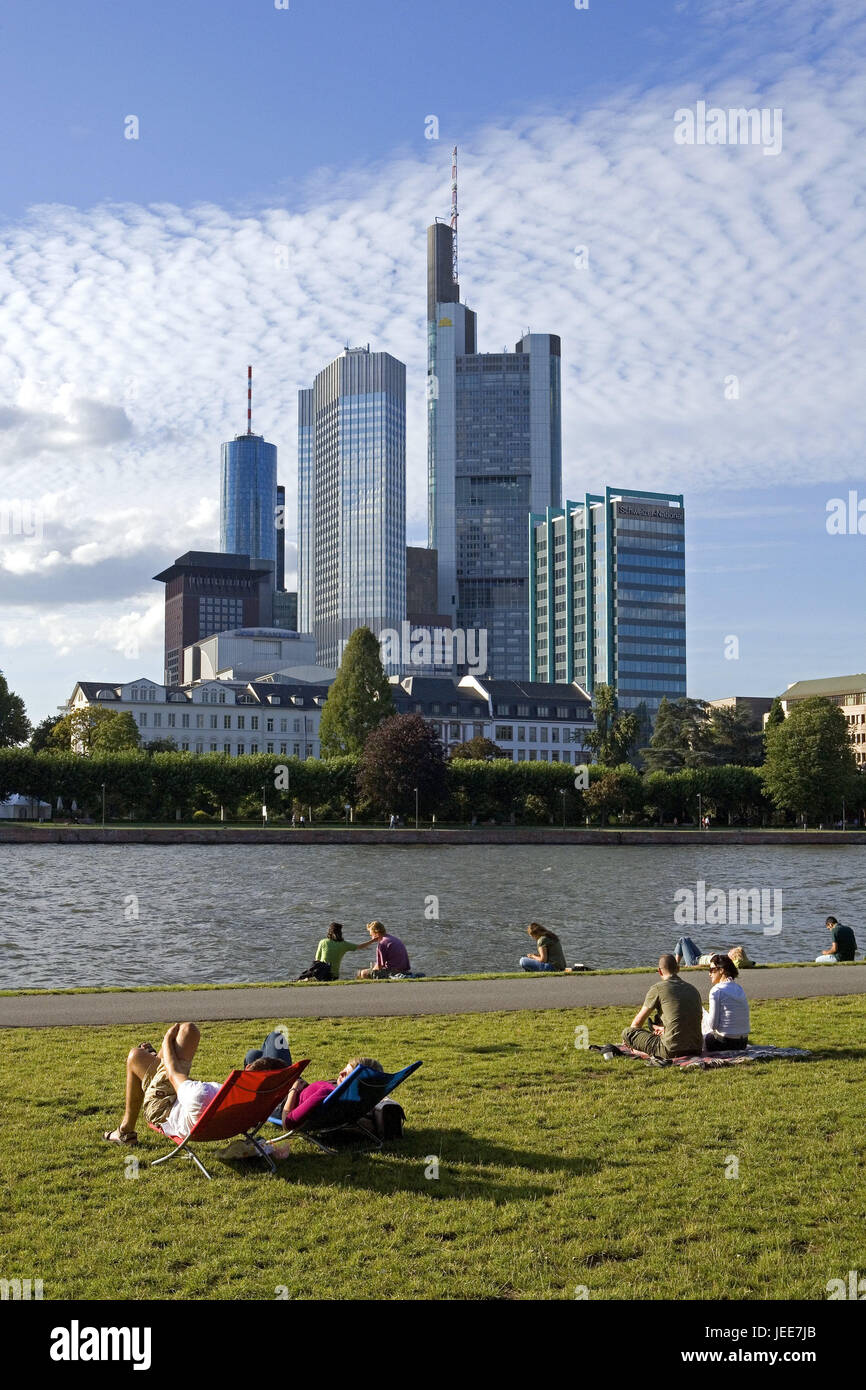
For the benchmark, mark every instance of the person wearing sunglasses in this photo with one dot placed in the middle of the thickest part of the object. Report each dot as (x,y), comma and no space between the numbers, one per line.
(725,1021)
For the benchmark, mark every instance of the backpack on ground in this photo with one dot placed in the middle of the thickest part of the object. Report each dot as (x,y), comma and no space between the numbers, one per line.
(319,970)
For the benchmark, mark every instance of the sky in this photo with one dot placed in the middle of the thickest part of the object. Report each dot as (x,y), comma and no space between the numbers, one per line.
(273,206)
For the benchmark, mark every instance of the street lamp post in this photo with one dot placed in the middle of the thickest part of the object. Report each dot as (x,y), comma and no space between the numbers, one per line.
(700,812)
(843,813)
(562,794)
(416,808)
(103,805)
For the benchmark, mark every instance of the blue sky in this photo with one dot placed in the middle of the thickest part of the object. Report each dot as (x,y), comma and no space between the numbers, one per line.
(274,206)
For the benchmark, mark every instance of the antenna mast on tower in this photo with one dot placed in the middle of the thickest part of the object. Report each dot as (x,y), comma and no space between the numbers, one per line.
(249,400)
(454,213)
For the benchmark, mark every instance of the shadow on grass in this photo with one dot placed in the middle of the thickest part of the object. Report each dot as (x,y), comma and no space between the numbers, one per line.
(467,1166)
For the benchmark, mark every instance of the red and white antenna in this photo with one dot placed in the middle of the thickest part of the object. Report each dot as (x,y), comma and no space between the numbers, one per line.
(249,400)
(454,212)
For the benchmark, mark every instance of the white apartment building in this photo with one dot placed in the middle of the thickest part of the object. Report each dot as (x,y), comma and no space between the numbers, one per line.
(274,716)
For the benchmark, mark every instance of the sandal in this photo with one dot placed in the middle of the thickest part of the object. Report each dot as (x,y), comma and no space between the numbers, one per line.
(120,1136)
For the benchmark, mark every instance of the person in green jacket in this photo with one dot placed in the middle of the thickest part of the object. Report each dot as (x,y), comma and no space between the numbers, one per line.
(332,948)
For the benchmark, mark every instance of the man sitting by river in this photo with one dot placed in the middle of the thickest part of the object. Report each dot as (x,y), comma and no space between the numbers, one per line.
(843,944)
(392,958)
(675,1029)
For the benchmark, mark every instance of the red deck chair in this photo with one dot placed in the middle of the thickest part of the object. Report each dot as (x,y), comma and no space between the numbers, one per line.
(241,1106)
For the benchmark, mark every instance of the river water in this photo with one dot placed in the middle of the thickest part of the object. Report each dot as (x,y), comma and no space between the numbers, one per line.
(142,914)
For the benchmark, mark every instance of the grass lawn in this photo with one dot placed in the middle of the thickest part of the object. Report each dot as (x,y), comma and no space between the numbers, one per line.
(556,1169)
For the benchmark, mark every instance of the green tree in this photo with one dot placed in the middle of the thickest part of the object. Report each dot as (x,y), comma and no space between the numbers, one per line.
(482,750)
(619,791)
(733,737)
(776,715)
(359,700)
(92,729)
(682,737)
(39,739)
(615,733)
(810,765)
(401,754)
(14,724)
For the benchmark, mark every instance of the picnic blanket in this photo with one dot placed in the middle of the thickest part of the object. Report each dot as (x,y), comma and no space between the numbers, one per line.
(707,1060)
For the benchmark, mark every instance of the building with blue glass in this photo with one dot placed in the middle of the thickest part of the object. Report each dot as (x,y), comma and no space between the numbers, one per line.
(494,454)
(607,595)
(352,500)
(248,498)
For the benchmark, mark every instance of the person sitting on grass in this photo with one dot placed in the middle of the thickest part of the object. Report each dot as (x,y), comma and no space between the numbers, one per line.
(306,1095)
(675,1029)
(158,1085)
(725,1021)
(392,958)
(550,953)
(332,948)
(843,945)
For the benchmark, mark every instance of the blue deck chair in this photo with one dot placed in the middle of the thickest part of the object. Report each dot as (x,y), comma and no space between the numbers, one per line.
(342,1110)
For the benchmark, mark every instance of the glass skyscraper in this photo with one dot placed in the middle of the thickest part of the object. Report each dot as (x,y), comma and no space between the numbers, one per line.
(248,498)
(607,601)
(352,500)
(493,456)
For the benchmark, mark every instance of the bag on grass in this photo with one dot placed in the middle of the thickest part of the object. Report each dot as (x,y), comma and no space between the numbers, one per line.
(319,970)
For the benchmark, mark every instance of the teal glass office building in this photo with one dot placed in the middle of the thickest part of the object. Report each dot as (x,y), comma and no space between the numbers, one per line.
(352,500)
(248,498)
(607,601)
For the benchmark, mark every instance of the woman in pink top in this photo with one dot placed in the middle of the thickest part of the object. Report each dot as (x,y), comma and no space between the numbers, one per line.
(305,1096)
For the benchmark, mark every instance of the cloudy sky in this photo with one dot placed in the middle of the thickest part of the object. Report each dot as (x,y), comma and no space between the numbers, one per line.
(273,207)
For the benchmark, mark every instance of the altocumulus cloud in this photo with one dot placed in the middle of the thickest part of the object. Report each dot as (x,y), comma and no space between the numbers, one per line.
(670,273)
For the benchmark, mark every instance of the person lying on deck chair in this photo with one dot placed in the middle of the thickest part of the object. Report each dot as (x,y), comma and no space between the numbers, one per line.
(158,1085)
(675,1030)
(306,1095)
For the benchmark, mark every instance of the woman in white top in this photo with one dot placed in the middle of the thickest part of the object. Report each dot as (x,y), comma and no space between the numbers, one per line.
(725,1021)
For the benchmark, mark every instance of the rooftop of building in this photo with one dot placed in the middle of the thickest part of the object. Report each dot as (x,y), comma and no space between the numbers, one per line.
(213,560)
(826,685)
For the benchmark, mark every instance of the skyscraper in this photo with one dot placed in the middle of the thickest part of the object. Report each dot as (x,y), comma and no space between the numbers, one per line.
(493,456)
(352,499)
(608,595)
(207,592)
(248,493)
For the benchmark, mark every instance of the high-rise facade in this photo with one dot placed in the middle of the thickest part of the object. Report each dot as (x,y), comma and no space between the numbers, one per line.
(494,455)
(248,494)
(208,592)
(352,500)
(607,601)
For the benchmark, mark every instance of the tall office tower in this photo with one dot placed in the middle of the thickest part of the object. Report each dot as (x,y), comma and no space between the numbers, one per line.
(208,592)
(306,510)
(607,602)
(281,538)
(352,499)
(493,455)
(248,493)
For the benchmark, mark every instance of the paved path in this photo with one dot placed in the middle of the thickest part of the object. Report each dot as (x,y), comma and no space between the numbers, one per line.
(400,998)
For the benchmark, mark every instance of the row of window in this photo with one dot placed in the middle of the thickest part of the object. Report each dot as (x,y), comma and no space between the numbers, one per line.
(241,749)
(269,725)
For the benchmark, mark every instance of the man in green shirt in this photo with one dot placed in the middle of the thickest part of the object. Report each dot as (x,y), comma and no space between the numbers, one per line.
(675,1006)
(332,948)
(843,945)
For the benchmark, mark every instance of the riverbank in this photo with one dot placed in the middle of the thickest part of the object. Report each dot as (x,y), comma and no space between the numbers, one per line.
(12,833)
(395,998)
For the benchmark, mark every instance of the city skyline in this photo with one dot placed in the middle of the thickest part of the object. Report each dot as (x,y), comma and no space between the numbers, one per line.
(116,391)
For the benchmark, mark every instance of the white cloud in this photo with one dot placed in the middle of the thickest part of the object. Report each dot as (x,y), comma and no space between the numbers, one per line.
(128,329)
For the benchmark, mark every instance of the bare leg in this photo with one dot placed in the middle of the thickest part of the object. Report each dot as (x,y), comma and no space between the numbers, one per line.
(178,1049)
(140,1064)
